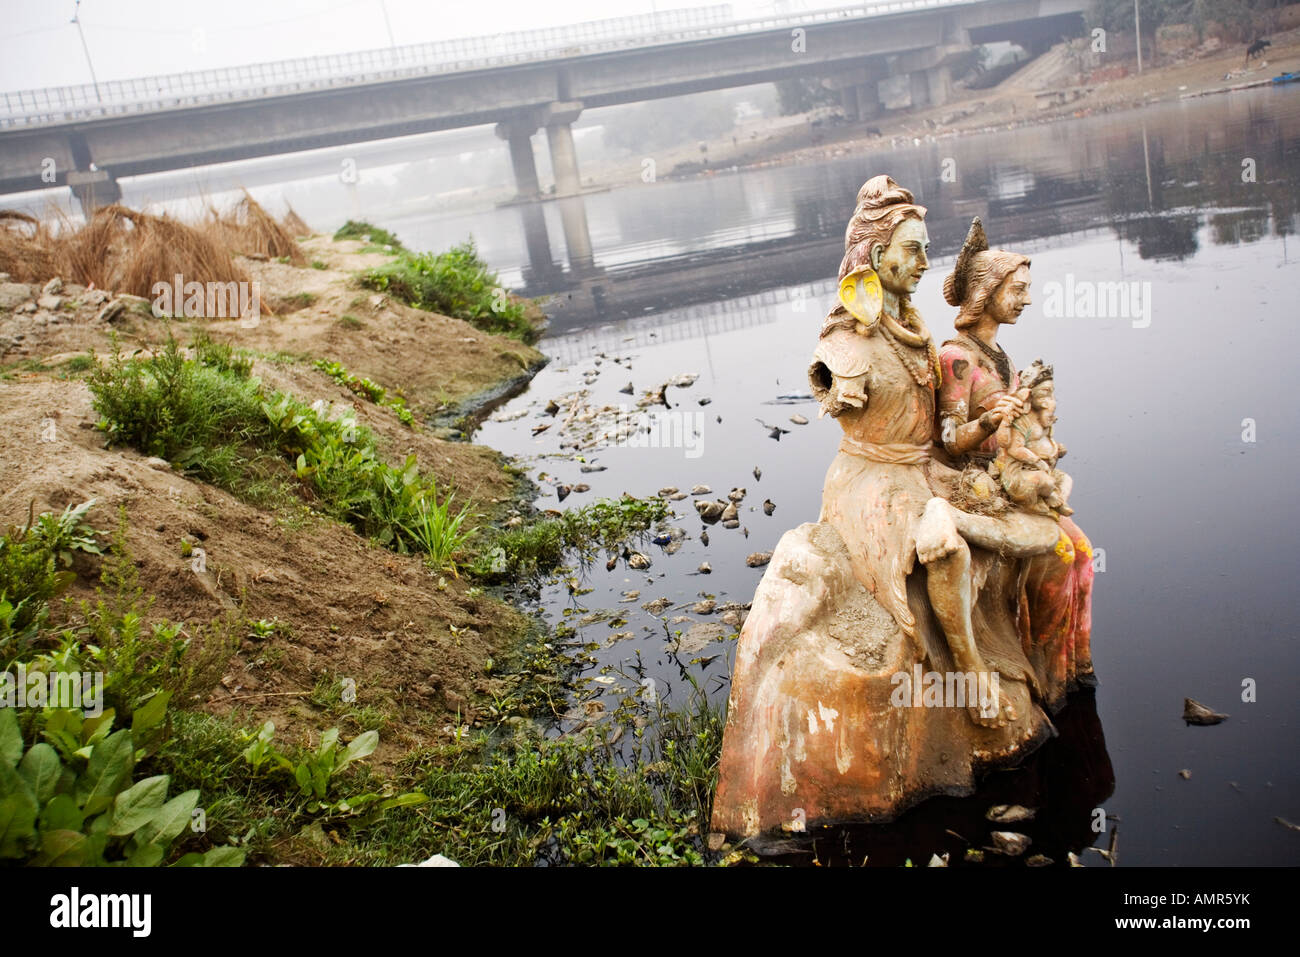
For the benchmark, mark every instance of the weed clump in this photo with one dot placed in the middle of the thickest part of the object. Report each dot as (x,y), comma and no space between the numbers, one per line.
(456,283)
(374,235)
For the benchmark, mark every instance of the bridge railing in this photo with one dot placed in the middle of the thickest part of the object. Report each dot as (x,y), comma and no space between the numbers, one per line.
(39,107)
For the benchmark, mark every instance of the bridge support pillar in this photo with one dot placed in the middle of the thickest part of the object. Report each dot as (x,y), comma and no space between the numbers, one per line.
(577,236)
(939,84)
(558,119)
(868,100)
(519,134)
(93,189)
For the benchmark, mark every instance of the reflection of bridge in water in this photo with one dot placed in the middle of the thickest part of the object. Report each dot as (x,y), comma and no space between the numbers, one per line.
(585,335)
(711,286)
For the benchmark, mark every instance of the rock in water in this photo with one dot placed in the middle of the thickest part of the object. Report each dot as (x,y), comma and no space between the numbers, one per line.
(737,495)
(705,568)
(1009,814)
(758,473)
(768,507)
(563,491)
(710,511)
(627,389)
(701,490)
(1196,713)
(638,561)
(729,512)
(1010,843)
(758,559)
(798,419)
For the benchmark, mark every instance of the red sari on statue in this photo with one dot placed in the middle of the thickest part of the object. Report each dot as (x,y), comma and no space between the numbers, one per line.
(1055,613)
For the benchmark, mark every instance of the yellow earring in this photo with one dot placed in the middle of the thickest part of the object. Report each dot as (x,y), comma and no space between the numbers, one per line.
(861,295)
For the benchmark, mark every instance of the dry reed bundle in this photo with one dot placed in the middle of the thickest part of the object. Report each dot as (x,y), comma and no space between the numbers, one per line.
(295,224)
(26,253)
(248,229)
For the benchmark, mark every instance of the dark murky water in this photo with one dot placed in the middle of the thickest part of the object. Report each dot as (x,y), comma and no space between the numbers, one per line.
(729,278)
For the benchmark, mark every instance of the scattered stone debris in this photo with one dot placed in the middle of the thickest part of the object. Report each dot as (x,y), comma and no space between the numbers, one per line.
(737,495)
(704,607)
(758,473)
(704,537)
(768,507)
(731,523)
(582,487)
(1196,713)
(1039,860)
(701,490)
(729,512)
(758,559)
(668,490)
(563,491)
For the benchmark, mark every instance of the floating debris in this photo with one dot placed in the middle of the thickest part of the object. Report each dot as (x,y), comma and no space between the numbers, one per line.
(1287,824)
(705,401)
(758,473)
(1010,843)
(758,559)
(710,511)
(638,561)
(563,491)
(938,861)
(612,563)
(705,568)
(632,595)
(1010,813)
(627,389)
(773,431)
(582,487)
(504,416)
(704,537)
(552,407)
(768,507)
(1185,774)
(658,606)
(798,419)
(1196,713)
(539,429)
(673,547)
(1039,860)
(704,607)
(592,468)
(685,380)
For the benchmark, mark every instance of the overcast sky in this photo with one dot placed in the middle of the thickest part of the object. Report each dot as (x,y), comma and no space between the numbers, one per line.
(39,46)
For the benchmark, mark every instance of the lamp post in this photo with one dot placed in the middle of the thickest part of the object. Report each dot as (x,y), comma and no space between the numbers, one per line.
(76,18)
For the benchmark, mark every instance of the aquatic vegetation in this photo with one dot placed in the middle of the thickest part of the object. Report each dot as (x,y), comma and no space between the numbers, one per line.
(542,546)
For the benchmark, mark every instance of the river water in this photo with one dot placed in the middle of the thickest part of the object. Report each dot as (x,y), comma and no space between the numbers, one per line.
(1181,425)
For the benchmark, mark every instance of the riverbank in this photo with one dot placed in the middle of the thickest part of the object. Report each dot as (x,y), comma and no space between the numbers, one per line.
(255,520)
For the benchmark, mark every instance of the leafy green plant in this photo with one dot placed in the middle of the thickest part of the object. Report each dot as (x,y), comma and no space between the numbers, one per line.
(71,800)
(221,356)
(315,771)
(366,388)
(455,283)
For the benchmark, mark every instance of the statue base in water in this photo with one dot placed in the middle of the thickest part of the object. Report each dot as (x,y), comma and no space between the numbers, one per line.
(832,719)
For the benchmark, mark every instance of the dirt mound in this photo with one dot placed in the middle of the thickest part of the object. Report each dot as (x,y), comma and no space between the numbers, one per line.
(413,644)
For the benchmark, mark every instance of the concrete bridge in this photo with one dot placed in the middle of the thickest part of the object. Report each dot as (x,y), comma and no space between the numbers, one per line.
(895,53)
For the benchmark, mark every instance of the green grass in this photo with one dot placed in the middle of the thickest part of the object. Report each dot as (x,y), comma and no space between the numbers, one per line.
(349,321)
(317,264)
(359,229)
(455,283)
